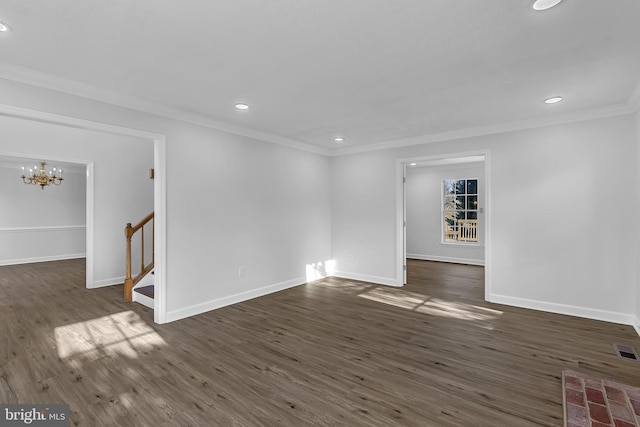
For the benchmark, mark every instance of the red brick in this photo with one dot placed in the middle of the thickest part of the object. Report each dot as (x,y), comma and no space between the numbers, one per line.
(593,384)
(632,392)
(595,396)
(577,415)
(621,423)
(574,396)
(636,406)
(573,383)
(599,424)
(615,394)
(599,413)
(620,411)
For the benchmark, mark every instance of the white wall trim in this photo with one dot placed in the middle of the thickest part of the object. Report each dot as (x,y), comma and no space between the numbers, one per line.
(160,226)
(636,325)
(159,197)
(446,259)
(231,299)
(400,241)
(41,259)
(35,78)
(378,280)
(59,84)
(592,114)
(41,229)
(107,282)
(89,236)
(570,310)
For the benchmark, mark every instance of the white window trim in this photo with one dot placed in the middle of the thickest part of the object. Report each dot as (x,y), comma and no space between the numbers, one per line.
(457,243)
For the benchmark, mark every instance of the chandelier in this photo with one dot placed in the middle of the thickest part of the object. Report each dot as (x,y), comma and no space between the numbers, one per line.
(42,177)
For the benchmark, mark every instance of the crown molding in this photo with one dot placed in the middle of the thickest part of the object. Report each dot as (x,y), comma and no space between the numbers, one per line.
(59,84)
(591,114)
(35,78)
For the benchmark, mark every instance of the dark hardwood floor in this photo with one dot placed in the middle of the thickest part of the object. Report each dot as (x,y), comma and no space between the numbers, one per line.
(335,352)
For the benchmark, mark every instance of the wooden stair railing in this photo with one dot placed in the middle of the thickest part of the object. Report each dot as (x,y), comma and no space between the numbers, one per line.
(129,231)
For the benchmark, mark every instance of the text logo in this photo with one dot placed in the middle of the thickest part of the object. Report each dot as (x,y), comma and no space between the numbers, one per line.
(34,415)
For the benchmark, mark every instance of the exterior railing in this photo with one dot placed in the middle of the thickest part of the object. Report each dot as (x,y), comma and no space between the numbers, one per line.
(464,230)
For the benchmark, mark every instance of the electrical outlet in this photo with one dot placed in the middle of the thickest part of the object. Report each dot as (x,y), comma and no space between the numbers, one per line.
(242,271)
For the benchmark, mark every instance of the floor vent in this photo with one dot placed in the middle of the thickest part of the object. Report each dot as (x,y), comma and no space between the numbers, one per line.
(626,352)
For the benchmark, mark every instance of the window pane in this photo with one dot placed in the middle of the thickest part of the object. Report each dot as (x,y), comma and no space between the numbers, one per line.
(460,187)
(450,218)
(472,186)
(449,186)
(449,203)
(472,215)
(450,232)
(460,202)
(472,202)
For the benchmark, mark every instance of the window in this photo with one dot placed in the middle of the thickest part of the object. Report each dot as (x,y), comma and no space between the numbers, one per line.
(460,210)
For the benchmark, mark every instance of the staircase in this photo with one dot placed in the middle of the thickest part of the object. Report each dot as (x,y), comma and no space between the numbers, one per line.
(143,282)
(143,292)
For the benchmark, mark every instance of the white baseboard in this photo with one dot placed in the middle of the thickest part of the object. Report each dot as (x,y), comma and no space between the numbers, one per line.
(367,278)
(446,259)
(636,325)
(41,259)
(193,310)
(106,282)
(571,310)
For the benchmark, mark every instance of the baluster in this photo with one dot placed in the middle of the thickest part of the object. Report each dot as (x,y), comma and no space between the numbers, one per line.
(142,258)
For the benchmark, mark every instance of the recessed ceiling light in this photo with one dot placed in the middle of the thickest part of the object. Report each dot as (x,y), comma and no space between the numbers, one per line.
(241,106)
(4,28)
(545,4)
(553,100)
(413,164)
(338,139)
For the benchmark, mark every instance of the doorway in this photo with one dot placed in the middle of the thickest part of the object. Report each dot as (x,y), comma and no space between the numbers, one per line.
(437,234)
(59,125)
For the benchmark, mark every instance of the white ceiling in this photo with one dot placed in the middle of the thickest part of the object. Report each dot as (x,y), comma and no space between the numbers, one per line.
(373,71)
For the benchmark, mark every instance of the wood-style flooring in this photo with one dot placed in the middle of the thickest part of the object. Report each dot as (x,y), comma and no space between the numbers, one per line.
(334,352)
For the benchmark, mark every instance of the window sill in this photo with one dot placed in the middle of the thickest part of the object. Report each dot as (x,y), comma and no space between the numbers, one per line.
(467,244)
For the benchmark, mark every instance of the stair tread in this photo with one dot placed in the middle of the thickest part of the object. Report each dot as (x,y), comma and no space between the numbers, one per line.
(147,291)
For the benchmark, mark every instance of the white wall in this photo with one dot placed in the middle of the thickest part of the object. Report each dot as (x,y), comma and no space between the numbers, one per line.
(363,227)
(554,199)
(637,231)
(232,201)
(123,192)
(263,207)
(41,225)
(269,208)
(424,215)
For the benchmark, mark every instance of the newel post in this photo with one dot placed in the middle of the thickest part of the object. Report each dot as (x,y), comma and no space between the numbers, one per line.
(128,281)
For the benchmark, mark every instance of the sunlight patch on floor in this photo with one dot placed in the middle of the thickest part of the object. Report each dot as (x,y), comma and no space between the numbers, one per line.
(458,310)
(119,334)
(403,299)
(422,303)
